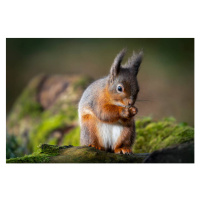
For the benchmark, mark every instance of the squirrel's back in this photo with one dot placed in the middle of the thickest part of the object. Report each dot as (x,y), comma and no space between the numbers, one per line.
(91,94)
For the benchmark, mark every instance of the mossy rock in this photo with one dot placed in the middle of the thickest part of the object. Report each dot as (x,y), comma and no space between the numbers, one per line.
(81,154)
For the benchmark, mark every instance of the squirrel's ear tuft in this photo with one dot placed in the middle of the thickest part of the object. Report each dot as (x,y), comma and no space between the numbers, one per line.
(116,64)
(138,61)
(135,61)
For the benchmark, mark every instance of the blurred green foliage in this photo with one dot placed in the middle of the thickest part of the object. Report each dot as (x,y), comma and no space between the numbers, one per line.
(72,138)
(48,124)
(14,148)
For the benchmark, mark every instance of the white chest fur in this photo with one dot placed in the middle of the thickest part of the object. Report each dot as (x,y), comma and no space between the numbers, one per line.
(109,134)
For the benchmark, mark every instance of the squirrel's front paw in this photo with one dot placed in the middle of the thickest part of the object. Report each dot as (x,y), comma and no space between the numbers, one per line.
(125,113)
(129,112)
(133,110)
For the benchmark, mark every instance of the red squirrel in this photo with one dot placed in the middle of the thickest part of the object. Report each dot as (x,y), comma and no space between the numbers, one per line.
(106,109)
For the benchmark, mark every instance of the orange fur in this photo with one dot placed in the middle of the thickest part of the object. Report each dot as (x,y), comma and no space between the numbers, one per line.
(91,124)
(123,150)
(126,139)
(111,114)
(106,111)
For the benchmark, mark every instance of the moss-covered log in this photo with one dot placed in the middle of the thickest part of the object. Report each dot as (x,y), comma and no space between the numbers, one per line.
(182,153)
(69,154)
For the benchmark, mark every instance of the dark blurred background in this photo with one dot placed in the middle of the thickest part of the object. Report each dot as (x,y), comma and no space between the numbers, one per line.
(166,75)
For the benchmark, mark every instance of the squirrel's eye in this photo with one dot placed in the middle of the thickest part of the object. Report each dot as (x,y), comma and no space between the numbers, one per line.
(119,88)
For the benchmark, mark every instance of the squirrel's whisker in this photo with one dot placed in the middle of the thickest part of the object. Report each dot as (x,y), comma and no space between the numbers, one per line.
(142,100)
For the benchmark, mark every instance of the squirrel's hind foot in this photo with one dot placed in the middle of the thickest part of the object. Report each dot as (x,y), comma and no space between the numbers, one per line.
(123,150)
(96,146)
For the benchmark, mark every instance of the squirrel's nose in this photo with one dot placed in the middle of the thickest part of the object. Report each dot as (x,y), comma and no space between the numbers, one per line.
(130,102)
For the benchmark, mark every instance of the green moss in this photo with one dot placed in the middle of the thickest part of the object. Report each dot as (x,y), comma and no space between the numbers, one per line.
(153,135)
(72,138)
(42,154)
(52,150)
(30,159)
(49,149)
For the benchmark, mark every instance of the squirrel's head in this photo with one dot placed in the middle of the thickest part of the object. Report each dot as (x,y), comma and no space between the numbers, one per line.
(122,83)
